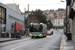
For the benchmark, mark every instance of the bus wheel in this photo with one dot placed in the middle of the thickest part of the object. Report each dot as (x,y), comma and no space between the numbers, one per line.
(32,37)
(44,36)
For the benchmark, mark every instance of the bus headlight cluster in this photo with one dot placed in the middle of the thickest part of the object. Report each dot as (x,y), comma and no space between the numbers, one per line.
(40,34)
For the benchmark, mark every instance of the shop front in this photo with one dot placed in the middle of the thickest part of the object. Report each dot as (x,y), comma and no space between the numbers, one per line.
(2,21)
(10,21)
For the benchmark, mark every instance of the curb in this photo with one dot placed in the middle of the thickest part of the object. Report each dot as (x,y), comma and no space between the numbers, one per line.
(9,40)
(61,45)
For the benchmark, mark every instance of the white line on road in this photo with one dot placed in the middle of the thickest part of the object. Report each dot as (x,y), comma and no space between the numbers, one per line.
(24,44)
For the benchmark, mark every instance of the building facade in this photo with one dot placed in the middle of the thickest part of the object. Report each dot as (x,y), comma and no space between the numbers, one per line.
(8,19)
(14,7)
(71,17)
(58,22)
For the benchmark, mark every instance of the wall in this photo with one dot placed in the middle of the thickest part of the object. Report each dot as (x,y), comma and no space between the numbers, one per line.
(71,20)
(15,16)
(14,7)
(0,28)
(74,30)
(59,22)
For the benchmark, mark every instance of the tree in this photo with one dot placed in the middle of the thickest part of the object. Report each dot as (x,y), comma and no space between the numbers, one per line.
(49,24)
(38,14)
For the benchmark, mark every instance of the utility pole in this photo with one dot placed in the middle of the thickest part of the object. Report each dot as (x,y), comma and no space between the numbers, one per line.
(32,16)
(24,16)
(28,14)
(28,18)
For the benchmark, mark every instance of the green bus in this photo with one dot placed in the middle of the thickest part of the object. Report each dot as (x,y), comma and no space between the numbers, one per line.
(37,30)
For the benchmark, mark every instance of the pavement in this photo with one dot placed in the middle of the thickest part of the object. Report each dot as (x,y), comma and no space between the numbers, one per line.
(6,39)
(10,39)
(67,45)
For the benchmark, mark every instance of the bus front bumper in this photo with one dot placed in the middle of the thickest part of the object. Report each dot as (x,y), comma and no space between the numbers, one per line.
(36,35)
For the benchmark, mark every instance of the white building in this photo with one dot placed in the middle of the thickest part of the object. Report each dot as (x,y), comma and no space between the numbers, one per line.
(59,22)
(14,7)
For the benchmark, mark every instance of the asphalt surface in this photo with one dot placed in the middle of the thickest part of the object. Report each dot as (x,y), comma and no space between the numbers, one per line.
(48,43)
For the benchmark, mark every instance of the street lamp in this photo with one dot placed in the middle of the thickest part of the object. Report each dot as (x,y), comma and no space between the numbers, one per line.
(62,1)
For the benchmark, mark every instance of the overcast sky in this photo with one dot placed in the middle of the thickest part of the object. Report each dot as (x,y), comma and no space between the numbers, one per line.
(37,4)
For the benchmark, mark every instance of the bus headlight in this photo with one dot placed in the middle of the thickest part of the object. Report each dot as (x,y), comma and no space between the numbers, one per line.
(40,34)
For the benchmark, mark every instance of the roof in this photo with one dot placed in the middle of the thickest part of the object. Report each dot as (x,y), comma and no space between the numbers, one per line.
(14,7)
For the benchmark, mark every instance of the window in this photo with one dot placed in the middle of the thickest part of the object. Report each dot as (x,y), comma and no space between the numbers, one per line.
(0,12)
(0,21)
(3,10)
(0,8)
(3,29)
(36,28)
(11,17)
(2,15)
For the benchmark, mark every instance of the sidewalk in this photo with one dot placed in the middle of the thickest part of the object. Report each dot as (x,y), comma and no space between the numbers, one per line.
(6,39)
(10,39)
(67,45)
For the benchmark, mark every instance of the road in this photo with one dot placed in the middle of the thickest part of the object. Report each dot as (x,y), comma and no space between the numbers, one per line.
(48,43)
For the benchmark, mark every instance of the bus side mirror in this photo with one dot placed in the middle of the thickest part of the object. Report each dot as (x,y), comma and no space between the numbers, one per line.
(30,26)
(41,26)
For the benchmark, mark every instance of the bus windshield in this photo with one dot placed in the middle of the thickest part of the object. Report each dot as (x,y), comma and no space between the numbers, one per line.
(36,28)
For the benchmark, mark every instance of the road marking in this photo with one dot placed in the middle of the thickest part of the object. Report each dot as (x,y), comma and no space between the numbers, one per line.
(61,45)
(24,44)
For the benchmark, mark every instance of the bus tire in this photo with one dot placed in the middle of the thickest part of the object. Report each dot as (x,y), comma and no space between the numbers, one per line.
(44,36)
(32,37)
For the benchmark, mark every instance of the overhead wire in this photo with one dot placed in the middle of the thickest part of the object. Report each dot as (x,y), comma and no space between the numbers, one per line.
(37,4)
